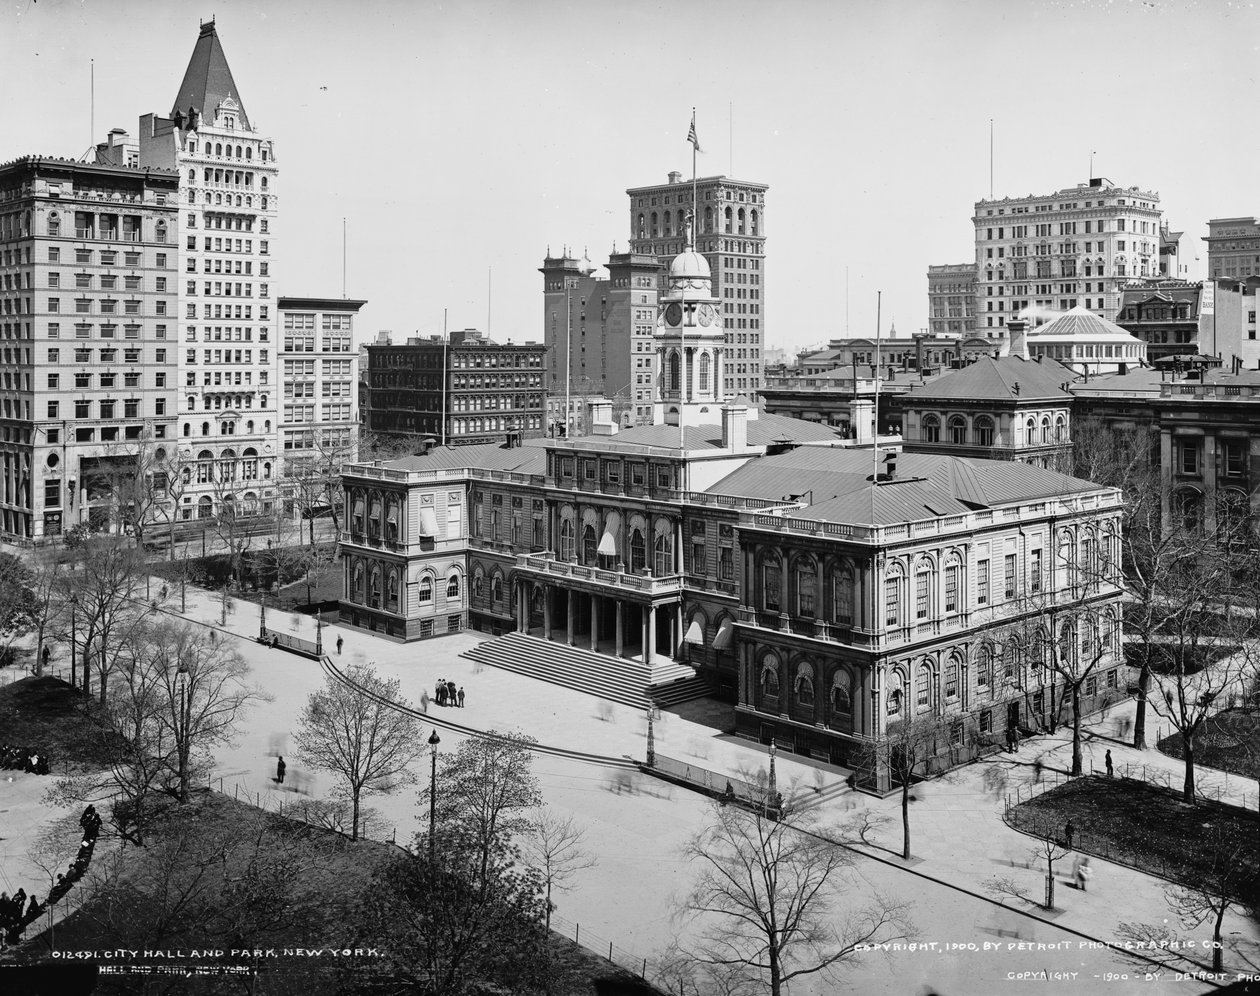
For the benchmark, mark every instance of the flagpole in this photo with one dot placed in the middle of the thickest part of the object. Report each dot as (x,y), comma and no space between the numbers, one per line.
(568,350)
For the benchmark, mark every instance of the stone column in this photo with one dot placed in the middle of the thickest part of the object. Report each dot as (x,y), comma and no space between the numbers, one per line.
(649,647)
(522,608)
(679,633)
(620,626)
(595,606)
(547,612)
(568,592)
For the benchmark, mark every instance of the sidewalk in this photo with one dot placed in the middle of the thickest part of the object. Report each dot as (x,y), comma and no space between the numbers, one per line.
(958,837)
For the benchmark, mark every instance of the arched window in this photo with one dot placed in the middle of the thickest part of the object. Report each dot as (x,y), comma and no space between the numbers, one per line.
(638,550)
(675,372)
(708,219)
(772,583)
(588,544)
(496,588)
(668,224)
(804,684)
(1060,430)
(663,551)
(923,688)
(424,591)
(452,588)
(931,429)
(753,222)
(844,595)
(1030,432)
(478,583)
(951,678)
(567,551)
(1010,659)
(1045,429)
(1066,645)
(740,218)
(205,507)
(894,695)
(957,430)
(728,221)
(984,430)
(704,373)
(842,692)
(770,676)
(357,579)
(656,230)
(893,583)
(1188,505)
(374,588)
(984,665)
(642,228)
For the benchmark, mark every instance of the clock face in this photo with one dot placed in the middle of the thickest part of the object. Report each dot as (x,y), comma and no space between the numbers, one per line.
(706,314)
(673,315)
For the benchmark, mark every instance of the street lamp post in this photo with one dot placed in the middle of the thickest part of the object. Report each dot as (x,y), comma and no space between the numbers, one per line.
(651,737)
(319,634)
(773,786)
(434,740)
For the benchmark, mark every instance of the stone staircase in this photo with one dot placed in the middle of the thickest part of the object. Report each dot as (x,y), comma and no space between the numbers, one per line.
(628,682)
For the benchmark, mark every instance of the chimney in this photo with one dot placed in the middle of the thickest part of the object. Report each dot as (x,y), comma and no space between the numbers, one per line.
(890,466)
(1015,388)
(382,337)
(1017,329)
(601,417)
(675,176)
(735,428)
(861,420)
(511,441)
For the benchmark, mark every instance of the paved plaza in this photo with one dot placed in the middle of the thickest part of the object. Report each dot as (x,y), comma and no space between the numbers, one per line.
(960,842)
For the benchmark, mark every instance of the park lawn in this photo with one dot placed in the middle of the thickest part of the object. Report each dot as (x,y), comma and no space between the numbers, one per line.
(49,715)
(1145,826)
(320,878)
(1229,741)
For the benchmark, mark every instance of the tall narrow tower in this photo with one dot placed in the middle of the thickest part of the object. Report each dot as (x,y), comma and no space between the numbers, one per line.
(228,375)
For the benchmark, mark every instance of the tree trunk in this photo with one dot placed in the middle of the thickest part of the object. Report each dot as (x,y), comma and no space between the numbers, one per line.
(1216,934)
(905,818)
(1049,883)
(354,815)
(312,531)
(1187,790)
(548,922)
(776,982)
(1139,717)
(1076,729)
(170,553)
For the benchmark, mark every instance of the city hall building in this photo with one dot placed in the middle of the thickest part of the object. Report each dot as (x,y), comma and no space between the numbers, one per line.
(830,587)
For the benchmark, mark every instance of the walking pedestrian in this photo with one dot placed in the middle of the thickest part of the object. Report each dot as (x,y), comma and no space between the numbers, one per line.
(1082,871)
(1067,833)
(1037,768)
(280,771)
(440,691)
(1109,767)
(450,692)
(46,656)
(424,701)
(339,642)
(461,696)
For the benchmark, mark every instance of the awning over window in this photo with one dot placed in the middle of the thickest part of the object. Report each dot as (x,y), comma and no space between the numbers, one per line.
(358,508)
(392,517)
(428,521)
(695,635)
(607,545)
(724,633)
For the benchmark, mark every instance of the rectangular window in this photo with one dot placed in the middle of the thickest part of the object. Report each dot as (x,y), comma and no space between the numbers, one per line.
(1189,458)
(921,596)
(892,602)
(1034,571)
(1008,568)
(951,588)
(982,582)
(773,580)
(726,563)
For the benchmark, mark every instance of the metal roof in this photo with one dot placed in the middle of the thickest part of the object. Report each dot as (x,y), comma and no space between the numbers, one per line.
(989,379)
(208,80)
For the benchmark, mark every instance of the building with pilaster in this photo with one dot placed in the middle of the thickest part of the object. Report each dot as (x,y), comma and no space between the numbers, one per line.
(88,336)
(730,232)
(1233,248)
(952,299)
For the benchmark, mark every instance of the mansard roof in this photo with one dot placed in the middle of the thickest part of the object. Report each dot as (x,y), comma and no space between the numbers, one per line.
(208,80)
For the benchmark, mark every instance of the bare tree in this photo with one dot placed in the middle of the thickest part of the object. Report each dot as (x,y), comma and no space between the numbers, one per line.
(359,730)
(904,751)
(312,478)
(555,845)
(768,898)
(107,586)
(485,789)
(19,604)
(1048,850)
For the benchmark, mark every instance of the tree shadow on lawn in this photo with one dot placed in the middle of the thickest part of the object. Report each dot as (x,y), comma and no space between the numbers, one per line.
(1144,826)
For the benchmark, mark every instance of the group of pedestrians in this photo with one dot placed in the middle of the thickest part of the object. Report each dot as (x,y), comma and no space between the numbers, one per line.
(18,912)
(448,695)
(23,759)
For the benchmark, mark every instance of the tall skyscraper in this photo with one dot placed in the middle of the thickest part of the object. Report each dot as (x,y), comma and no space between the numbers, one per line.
(87,338)
(731,234)
(1233,248)
(228,360)
(1076,247)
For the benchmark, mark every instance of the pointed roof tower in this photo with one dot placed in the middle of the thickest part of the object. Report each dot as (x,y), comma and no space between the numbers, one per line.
(208,80)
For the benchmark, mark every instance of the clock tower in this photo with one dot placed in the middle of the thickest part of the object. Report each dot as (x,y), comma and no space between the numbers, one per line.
(689,343)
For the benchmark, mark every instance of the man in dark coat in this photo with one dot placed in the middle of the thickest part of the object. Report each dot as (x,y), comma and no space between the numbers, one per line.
(280,771)
(461,696)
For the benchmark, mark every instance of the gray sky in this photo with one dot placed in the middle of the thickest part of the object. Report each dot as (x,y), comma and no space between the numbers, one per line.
(463,137)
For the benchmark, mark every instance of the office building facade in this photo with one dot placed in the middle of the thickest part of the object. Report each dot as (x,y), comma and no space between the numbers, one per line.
(88,274)
(952,299)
